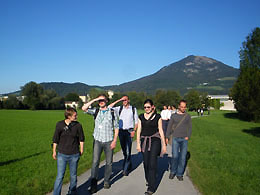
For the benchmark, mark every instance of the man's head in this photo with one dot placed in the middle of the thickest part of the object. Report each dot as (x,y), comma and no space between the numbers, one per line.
(126,100)
(103,99)
(182,106)
(165,107)
(71,114)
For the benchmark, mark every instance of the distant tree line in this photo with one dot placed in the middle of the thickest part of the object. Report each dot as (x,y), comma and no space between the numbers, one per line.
(195,99)
(36,98)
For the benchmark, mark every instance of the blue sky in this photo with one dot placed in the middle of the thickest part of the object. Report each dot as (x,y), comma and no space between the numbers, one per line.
(107,42)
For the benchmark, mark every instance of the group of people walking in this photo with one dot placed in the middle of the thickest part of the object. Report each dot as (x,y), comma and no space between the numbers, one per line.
(122,121)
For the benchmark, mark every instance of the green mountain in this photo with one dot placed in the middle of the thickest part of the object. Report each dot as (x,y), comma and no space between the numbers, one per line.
(64,88)
(193,72)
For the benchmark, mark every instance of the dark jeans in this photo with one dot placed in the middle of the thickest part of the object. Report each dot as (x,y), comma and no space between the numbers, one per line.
(126,145)
(62,161)
(150,162)
(164,126)
(97,150)
(179,151)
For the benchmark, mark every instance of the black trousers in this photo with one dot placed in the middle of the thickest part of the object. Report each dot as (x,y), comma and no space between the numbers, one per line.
(150,162)
(126,145)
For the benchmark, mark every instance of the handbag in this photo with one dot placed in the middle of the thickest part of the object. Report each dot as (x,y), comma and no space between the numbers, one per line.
(175,127)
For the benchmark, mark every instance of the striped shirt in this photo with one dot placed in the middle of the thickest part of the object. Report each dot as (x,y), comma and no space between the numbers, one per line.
(104,127)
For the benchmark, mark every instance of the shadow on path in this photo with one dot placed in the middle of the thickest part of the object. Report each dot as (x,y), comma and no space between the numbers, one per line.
(255,131)
(117,174)
(20,159)
(164,165)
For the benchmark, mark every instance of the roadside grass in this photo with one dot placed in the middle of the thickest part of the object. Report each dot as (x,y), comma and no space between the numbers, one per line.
(26,164)
(225,154)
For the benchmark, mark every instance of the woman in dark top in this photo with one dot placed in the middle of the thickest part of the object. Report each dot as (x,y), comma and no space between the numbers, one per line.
(150,133)
(67,138)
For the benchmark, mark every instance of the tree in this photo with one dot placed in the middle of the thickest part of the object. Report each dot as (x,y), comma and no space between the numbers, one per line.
(95,92)
(72,97)
(56,103)
(193,99)
(33,95)
(137,99)
(215,103)
(205,102)
(246,90)
(12,102)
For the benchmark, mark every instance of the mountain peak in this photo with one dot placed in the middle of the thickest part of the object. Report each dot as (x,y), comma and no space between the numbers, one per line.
(196,60)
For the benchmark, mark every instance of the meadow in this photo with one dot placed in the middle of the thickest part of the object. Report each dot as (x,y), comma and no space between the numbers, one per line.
(225,154)
(26,165)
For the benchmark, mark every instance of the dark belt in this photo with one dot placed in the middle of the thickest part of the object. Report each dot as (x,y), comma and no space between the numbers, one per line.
(131,129)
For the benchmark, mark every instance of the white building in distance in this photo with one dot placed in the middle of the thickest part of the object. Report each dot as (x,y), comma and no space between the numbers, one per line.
(225,99)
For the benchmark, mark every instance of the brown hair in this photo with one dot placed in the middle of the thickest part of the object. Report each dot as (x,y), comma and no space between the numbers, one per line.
(105,96)
(69,112)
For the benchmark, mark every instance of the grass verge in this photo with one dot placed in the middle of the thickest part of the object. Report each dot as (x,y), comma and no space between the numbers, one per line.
(225,155)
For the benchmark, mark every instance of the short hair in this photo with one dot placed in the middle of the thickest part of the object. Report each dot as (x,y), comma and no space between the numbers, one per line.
(125,95)
(104,95)
(184,101)
(69,112)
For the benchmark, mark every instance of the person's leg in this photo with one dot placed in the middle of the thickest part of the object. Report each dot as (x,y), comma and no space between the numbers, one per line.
(175,155)
(164,126)
(182,157)
(122,140)
(73,164)
(109,161)
(128,164)
(146,156)
(61,167)
(154,153)
(97,150)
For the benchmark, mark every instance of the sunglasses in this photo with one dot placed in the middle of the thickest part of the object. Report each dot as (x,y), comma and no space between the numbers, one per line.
(147,107)
(101,101)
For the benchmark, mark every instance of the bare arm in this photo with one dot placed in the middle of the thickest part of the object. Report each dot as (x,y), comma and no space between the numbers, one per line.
(86,106)
(162,136)
(113,144)
(117,101)
(81,147)
(139,129)
(54,151)
(114,103)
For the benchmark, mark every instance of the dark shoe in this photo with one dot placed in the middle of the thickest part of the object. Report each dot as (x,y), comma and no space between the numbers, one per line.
(125,173)
(180,178)
(148,193)
(106,185)
(171,176)
(93,187)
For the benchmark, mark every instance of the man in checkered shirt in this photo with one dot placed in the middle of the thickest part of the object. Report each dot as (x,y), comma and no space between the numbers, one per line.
(105,138)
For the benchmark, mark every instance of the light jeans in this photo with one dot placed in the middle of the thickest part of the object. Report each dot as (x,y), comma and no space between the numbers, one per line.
(179,151)
(97,150)
(62,161)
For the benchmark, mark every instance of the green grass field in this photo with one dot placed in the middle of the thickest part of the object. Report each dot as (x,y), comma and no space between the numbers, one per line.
(225,155)
(26,165)
(225,152)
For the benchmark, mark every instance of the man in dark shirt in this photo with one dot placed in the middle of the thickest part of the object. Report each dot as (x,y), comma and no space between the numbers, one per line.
(67,138)
(179,129)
